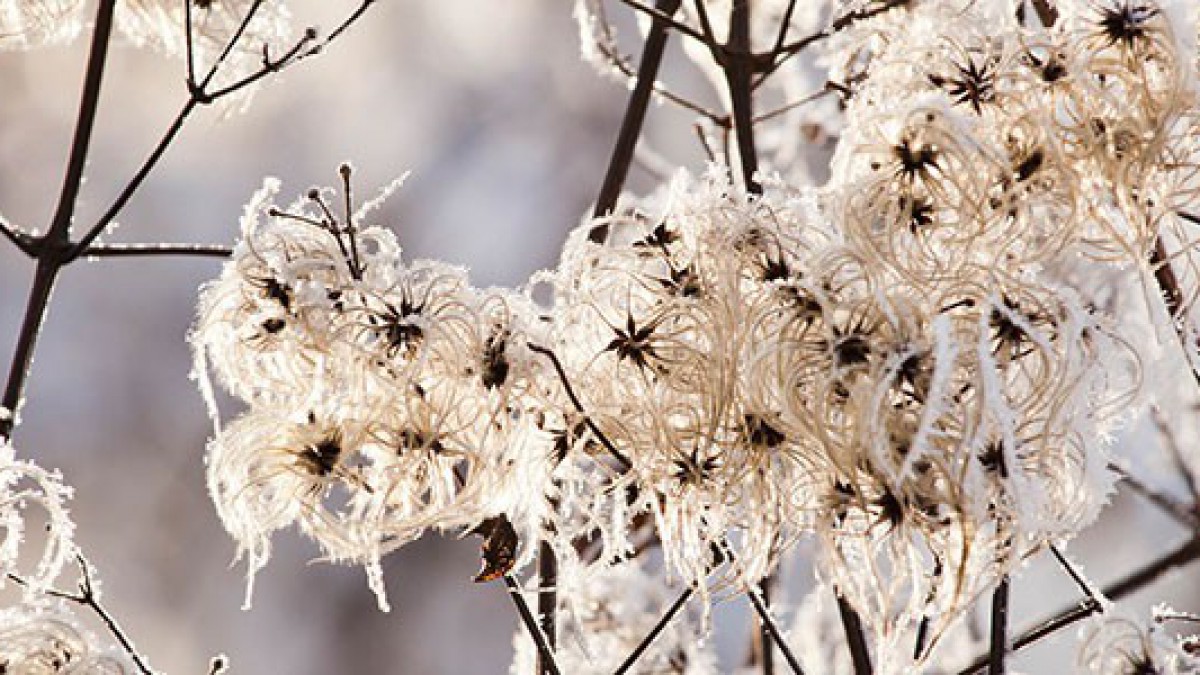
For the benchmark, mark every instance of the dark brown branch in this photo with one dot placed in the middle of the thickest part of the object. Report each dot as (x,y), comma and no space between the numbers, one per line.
(739,68)
(1177,510)
(768,622)
(134,183)
(856,638)
(764,636)
(654,632)
(131,250)
(342,28)
(547,598)
(24,242)
(1131,583)
(51,248)
(269,66)
(562,376)
(784,109)
(1067,566)
(197,89)
(784,23)
(87,596)
(1176,453)
(1172,295)
(546,655)
(999,633)
(666,18)
(635,116)
(779,56)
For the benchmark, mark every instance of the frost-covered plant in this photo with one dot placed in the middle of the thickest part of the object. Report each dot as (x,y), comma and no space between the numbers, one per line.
(27,489)
(45,638)
(890,352)
(1119,644)
(385,398)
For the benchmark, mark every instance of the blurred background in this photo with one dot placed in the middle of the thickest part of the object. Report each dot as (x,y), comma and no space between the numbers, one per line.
(506,133)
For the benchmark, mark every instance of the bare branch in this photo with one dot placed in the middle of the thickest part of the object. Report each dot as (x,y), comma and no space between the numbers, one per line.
(132,250)
(88,597)
(548,596)
(856,638)
(999,638)
(667,19)
(768,622)
(635,116)
(1180,512)
(531,625)
(1131,583)
(662,623)
(777,57)
(1173,449)
(51,256)
(562,376)
(24,242)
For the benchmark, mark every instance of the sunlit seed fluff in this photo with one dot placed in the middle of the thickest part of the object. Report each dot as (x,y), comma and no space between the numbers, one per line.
(32,23)
(46,637)
(1116,643)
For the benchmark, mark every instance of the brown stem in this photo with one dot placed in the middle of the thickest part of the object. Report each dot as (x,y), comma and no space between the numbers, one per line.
(856,638)
(547,599)
(635,116)
(654,632)
(1131,583)
(133,250)
(768,623)
(739,67)
(1172,293)
(51,249)
(999,647)
(545,654)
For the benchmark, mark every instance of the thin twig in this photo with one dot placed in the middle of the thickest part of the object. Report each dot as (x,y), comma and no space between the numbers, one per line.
(24,242)
(654,632)
(635,116)
(87,596)
(189,43)
(792,106)
(91,600)
(856,638)
(562,376)
(764,636)
(999,637)
(784,24)
(1172,296)
(1134,581)
(131,250)
(531,625)
(342,28)
(1067,565)
(200,95)
(778,57)
(198,89)
(739,69)
(1173,449)
(547,597)
(1177,510)
(768,622)
(134,183)
(666,18)
(51,248)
